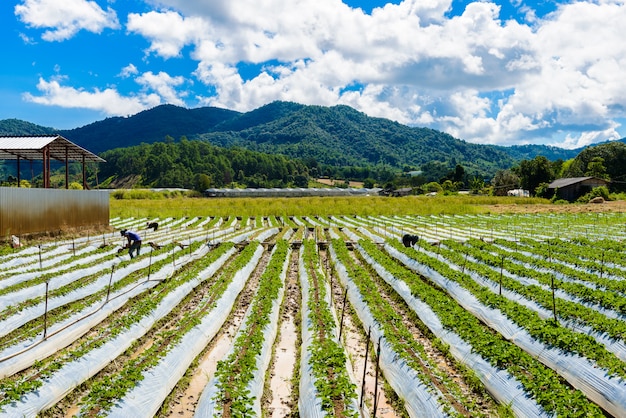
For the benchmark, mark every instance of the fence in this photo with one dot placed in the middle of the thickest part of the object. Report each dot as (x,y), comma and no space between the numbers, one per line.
(31,211)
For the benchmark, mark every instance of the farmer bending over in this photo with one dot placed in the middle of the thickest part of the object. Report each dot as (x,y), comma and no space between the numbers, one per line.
(134,241)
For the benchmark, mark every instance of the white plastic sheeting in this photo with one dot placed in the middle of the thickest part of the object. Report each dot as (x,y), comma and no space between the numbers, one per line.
(617,347)
(74,373)
(309,404)
(419,400)
(146,398)
(207,405)
(24,354)
(608,392)
(503,387)
(55,282)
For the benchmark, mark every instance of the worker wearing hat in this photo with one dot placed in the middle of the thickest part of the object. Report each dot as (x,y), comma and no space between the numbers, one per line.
(134,242)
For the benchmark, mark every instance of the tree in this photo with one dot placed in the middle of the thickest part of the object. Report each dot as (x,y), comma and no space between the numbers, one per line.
(476,184)
(369,183)
(432,187)
(202,182)
(596,168)
(534,172)
(503,181)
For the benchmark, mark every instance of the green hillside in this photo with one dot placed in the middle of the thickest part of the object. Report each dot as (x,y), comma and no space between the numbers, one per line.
(337,136)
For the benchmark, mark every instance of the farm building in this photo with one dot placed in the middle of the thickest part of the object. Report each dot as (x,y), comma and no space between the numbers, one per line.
(572,188)
(28,211)
(518,193)
(289,192)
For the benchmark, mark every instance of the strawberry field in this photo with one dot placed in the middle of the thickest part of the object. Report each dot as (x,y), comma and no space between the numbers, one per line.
(485,315)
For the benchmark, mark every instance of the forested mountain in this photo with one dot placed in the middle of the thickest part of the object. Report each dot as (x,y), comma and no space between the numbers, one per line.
(342,136)
(148,126)
(337,136)
(16,127)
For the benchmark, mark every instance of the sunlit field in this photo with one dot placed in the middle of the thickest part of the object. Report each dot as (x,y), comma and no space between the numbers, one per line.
(294,206)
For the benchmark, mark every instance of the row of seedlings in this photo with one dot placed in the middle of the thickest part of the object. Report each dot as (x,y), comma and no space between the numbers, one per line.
(527,330)
(237,386)
(326,386)
(51,378)
(421,381)
(154,364)
(76,293)
(539,291)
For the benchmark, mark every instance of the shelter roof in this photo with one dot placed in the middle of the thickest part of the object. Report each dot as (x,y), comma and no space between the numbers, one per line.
(31,148)
(568,181)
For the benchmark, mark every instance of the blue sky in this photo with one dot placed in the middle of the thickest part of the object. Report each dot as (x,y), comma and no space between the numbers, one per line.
(509,72)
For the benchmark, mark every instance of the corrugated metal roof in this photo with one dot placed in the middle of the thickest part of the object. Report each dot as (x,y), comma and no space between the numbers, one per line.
(568,181)
(31,148)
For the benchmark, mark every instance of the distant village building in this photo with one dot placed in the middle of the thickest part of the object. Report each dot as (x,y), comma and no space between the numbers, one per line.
(518,193)
(572,188)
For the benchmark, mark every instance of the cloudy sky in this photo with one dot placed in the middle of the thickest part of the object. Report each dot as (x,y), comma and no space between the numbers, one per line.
(511,72)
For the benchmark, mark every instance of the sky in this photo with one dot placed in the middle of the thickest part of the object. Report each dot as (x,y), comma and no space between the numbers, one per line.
(510,72)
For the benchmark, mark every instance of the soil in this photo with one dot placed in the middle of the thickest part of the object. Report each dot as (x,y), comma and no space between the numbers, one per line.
(184,401)
(607,206)
(280,400)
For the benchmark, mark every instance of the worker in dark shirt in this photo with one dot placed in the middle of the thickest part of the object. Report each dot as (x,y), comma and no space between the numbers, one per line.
(134,241)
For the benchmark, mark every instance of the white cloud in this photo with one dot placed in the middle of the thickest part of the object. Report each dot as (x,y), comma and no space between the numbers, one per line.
(159,88)
(168,31)
(64,18)
(108,101)
(164,85)
(128,71)
(475,75)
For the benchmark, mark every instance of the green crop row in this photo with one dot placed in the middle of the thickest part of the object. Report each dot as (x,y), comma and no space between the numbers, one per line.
(235,372)
(400,337)
(544,330)
(520,266)
(541,383)
(488,266)
(106,390)
(12,388)
(328,359)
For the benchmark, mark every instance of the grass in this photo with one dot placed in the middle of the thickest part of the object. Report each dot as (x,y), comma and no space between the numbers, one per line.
(178,206)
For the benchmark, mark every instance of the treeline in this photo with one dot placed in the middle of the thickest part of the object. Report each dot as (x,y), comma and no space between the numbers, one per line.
(606,161)
(200,165)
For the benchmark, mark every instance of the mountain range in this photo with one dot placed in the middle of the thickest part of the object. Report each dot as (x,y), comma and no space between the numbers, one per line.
(337,135)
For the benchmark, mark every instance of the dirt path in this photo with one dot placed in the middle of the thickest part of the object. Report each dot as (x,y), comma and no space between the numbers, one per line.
(447,369)
(354,340)
(182,403)
(279,402)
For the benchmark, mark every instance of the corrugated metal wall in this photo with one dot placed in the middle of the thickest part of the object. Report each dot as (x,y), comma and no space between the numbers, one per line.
(26,211)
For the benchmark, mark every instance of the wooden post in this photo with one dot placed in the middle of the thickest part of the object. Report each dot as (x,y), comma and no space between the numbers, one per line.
(553,302)
(19,178)
(367,351)
(376,379)
(343,311)
(67,169)
(501,269)
(45,314)
(150,264)
(110,280)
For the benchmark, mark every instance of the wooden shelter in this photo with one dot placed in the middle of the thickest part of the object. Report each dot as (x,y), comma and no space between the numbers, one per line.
(572,188)
(45,148)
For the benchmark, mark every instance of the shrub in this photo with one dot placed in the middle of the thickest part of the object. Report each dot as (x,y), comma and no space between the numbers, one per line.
(601,191)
